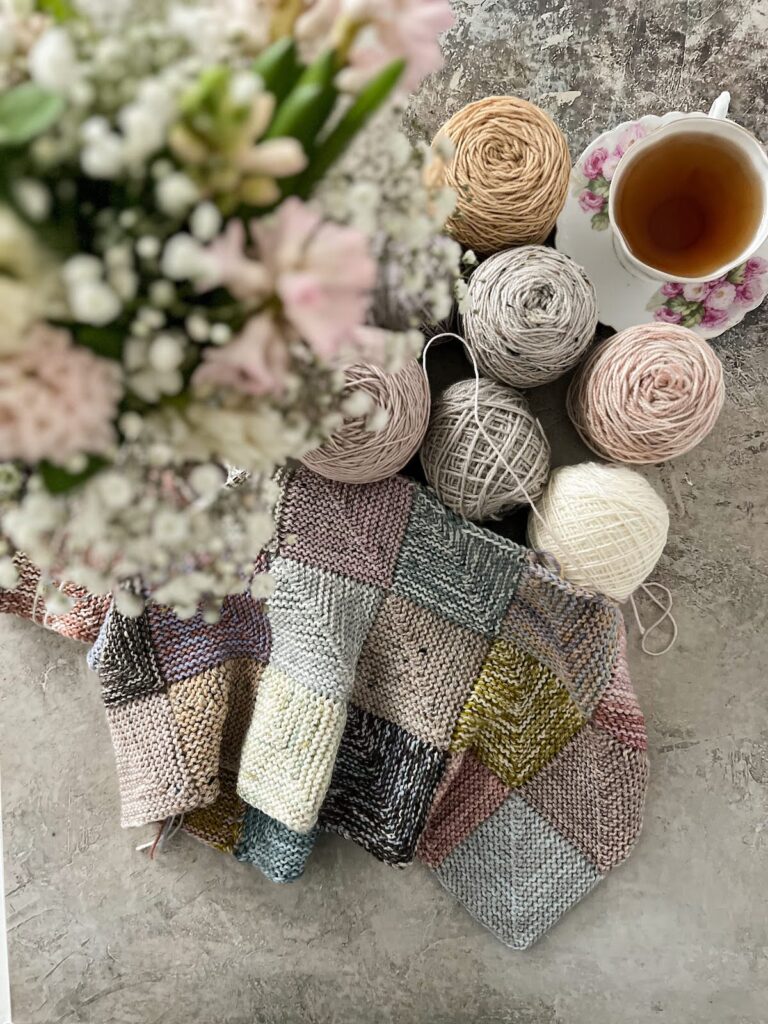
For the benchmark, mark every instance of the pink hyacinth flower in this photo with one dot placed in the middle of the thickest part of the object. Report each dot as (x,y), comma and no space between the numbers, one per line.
(57,400)
(397,29)
(255,362)
(229,266)
(323,273)
(408,29)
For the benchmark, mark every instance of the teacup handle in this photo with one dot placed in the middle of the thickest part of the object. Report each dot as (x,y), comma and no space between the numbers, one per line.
(719,108)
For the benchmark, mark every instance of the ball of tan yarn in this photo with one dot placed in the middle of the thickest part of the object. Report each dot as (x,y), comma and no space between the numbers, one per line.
(605,525)
(531,313)
(647,394)
(467,473)
(357,454)
(510,171)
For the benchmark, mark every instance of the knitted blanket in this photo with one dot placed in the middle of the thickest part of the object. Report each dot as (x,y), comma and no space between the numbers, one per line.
(420,686)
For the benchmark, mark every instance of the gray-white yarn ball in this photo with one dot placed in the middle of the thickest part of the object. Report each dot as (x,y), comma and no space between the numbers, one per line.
(462,466)
(531,313)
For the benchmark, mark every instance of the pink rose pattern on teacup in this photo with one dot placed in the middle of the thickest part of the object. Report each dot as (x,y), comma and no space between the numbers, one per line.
(715,304)
(596,171)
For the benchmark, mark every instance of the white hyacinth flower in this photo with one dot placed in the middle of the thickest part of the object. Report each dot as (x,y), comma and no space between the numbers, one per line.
(94,303)
(104,157)
(33,198)
(205,222)
(184,258)
(53,62)
(176,194)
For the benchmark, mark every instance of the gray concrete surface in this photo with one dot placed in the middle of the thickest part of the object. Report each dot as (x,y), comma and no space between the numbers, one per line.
(680,933)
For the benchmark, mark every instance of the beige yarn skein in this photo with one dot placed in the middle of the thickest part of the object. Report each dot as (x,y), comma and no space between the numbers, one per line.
(530,315)
(650,393)
(510,171)
(358,454)
(465,471)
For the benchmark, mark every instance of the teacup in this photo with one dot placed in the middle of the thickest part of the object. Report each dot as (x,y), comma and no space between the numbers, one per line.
(689,202)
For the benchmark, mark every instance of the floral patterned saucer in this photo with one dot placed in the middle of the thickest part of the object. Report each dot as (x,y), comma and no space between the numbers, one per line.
(625,299)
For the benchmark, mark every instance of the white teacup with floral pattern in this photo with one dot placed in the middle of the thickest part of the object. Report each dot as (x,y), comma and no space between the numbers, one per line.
(739,140)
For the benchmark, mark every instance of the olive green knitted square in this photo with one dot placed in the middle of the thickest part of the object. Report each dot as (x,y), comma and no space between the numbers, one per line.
(518,716)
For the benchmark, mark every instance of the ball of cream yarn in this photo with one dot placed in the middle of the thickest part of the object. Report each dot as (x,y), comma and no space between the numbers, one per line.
(461,464)
(647,394)
(510,170)
(531,313)
(605,525)
(379,442)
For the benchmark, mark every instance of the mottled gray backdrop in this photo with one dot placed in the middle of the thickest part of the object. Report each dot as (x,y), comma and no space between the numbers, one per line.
(679,934)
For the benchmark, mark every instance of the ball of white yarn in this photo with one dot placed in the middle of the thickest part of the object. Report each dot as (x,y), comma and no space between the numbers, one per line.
(531,313)
(605,525)
(470,473)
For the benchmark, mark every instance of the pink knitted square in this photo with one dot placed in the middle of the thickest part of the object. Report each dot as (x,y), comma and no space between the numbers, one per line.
(618,713)
(344,528)
(468,794)
(592,794)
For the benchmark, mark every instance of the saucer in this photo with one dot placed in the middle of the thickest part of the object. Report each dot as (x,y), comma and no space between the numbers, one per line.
(623,298)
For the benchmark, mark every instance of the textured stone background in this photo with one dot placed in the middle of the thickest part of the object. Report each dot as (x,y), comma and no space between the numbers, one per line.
(680,934)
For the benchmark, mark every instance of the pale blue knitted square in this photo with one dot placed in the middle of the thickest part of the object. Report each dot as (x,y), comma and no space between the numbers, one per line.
(516,874)
(319,623)
(466,574)
(273,848)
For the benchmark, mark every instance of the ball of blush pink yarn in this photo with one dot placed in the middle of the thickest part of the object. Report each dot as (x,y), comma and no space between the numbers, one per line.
(648,394)
(379,442)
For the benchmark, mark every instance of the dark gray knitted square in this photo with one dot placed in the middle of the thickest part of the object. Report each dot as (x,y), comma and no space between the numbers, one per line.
(383,783)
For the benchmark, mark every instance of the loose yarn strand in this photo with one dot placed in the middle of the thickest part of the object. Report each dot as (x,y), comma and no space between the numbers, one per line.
(645,632)
(666,613)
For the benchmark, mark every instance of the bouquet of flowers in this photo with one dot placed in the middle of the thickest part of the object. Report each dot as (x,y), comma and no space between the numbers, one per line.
(200,228)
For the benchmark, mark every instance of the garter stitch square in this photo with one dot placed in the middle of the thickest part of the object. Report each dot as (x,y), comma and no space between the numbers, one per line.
(382,787)
(290,749)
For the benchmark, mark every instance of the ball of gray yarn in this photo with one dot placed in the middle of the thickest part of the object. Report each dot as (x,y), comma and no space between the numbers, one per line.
(531,314)
(465,471)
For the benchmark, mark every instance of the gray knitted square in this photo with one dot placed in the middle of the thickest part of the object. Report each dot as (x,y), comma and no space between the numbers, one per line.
(516,874)
(458,570)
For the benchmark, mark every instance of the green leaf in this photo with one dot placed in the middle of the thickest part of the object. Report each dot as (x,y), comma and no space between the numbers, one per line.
(600,222)
(279,68)
(600,186)
(293,111)
(104,341)
(309,104)
(25,112)
(58,480)
(368,101)
(59,10)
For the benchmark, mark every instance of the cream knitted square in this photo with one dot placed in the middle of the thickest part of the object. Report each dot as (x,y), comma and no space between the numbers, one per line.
(290,749)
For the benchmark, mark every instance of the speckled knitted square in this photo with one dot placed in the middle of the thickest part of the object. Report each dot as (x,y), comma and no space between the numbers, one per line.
(421,686)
